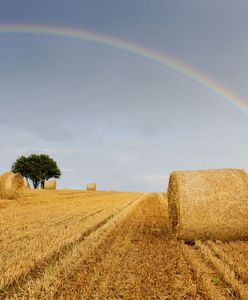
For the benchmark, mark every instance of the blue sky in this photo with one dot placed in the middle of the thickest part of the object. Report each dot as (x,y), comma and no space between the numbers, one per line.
(108,116)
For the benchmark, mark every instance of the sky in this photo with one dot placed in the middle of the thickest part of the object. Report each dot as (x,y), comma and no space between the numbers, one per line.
(113,117)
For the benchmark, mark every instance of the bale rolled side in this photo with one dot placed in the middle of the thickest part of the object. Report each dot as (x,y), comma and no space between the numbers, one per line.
(209,204)
(11,186)
(50,185)
(91,186)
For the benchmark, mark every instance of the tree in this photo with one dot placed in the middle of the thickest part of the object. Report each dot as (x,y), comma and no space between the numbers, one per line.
(21,166)
(36,167)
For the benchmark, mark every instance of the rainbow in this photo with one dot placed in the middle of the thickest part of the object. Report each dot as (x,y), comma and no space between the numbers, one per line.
(149,54)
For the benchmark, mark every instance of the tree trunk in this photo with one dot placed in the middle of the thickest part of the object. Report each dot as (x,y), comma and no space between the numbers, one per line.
(35,184)
(42,183)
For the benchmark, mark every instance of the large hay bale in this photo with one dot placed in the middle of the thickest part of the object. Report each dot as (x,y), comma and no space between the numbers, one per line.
(11,185)
(50,185)
(209,204)
(91,186)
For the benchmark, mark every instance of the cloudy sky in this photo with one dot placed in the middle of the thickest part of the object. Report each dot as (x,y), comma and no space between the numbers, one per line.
(110,116)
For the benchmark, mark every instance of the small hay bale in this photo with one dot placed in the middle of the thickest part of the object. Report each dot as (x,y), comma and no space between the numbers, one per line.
(50,185)
(11,185)
(209,204)
(91,186)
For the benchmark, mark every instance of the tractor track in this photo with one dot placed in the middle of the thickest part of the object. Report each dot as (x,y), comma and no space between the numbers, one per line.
(135,260)
(228,274)
(18,285)
(206,274)
(214,265)
(227,260)
(130,254)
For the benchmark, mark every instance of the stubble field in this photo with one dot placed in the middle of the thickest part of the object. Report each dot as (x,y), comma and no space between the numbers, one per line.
(109,245)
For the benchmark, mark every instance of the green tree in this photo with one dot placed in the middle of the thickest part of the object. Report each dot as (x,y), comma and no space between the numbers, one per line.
(36,167)
(21,166)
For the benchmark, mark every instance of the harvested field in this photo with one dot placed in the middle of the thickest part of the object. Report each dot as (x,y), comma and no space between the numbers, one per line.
(108,245)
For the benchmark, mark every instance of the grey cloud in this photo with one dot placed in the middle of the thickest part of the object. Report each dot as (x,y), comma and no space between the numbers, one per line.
(116,118)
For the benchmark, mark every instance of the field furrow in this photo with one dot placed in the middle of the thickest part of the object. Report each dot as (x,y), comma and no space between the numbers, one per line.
(210,261)
(45,279)
(224,270)
(110,245)
(25,247)
(134,260)
(208,277)
(237,264)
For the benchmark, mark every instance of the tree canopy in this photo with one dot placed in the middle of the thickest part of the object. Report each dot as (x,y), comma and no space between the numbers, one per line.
(37,168)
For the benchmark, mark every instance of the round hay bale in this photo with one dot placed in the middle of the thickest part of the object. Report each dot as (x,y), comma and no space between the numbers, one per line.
(11,185)
(50,185)
(91,186)
(209,204)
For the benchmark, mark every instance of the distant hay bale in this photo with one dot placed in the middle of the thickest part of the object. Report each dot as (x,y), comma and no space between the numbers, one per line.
(209,204)
(50,185)
(91,186)
(11,186)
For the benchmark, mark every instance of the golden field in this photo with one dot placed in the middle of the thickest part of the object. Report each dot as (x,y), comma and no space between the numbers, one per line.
(65,244)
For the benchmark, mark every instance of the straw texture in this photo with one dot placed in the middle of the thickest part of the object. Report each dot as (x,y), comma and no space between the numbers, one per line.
(50,185)
(11,186)
(91,186)
(209,204)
